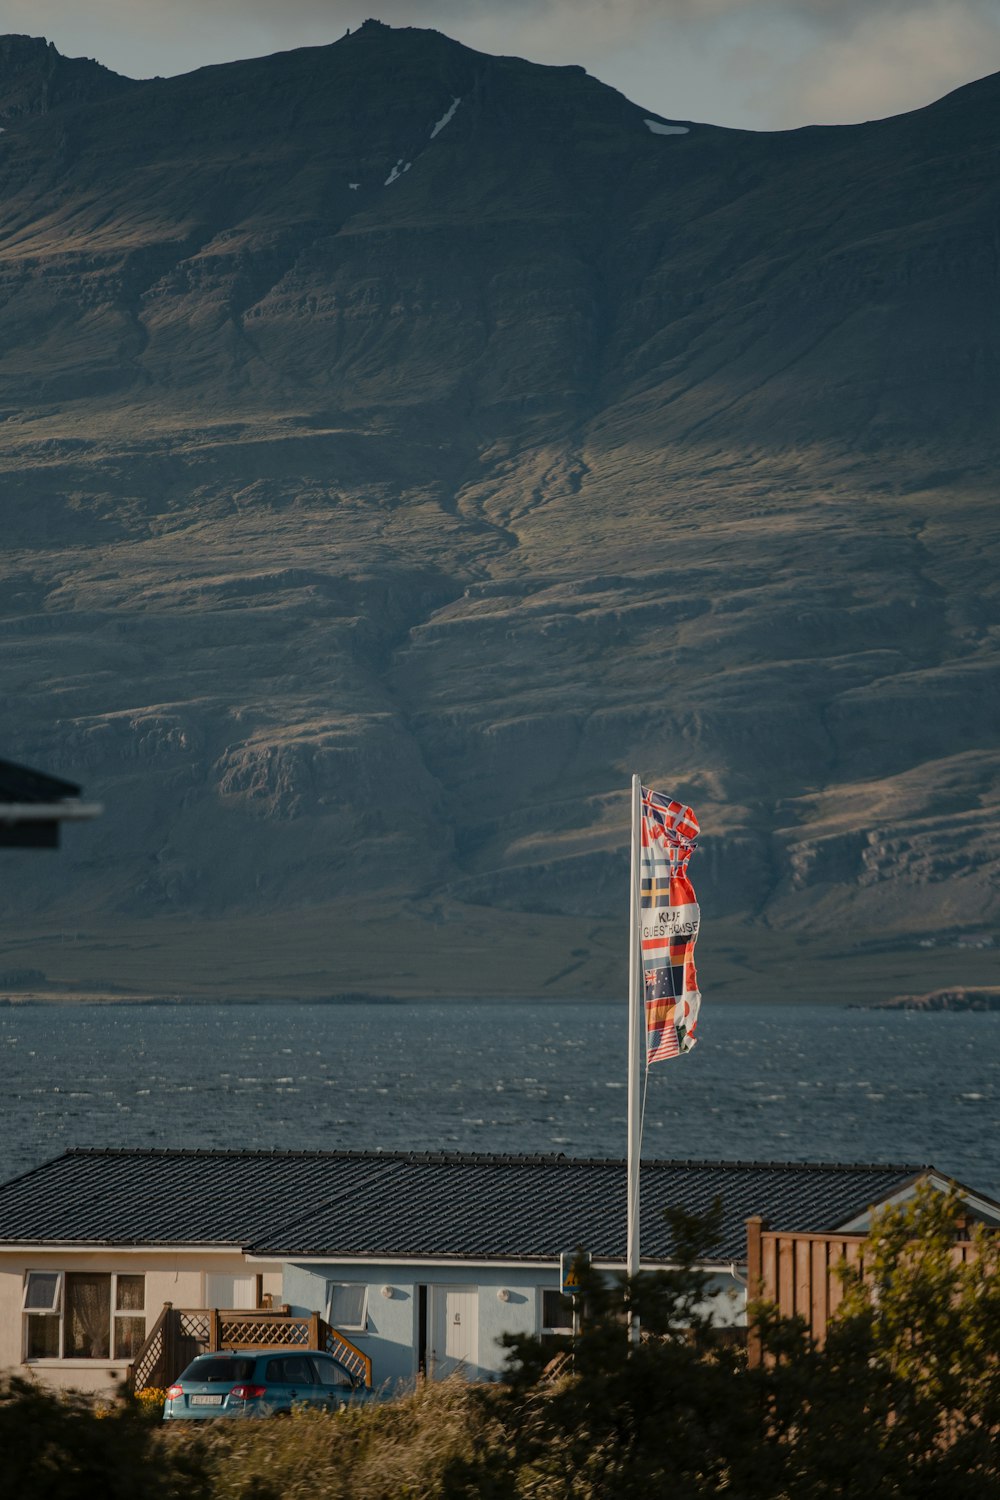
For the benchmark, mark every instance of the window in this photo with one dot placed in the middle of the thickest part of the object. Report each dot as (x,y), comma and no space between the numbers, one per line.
(87,1317)
(41,1291)
(130,1315)
(330,1372)
(294,1369)
(42,1305)
(83,1315)
(557,1311)
(347,1304)
(211,1368)
(231,1291)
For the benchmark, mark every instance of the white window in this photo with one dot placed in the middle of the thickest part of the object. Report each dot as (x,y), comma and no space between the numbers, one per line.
(42,1292)
(83,1315)
(347,1305)
(42,1307)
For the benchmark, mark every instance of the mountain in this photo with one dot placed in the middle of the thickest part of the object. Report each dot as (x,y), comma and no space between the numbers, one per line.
(401,444)
(35,78)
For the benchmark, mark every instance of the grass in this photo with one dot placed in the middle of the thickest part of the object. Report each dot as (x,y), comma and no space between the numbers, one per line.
(406,1447)
(457,952)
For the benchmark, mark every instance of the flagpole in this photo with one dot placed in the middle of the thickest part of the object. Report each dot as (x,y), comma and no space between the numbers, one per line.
(636,1050)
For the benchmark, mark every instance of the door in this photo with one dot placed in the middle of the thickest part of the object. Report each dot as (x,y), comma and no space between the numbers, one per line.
(290,1381)
(454,1332)
(230,1291)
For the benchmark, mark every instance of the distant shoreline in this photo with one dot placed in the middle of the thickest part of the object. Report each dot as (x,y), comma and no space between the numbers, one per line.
(957,1000)
(965,1001)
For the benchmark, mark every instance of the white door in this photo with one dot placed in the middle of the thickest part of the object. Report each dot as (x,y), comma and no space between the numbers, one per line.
(454,1332)
(230,1291)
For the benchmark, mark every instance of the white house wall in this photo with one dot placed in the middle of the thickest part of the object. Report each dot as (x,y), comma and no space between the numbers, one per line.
(171,1276)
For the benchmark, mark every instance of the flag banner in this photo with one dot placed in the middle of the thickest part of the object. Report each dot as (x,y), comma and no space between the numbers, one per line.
(669,917)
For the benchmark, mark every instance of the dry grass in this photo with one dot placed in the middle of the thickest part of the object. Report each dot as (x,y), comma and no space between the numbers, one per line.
(406,1448)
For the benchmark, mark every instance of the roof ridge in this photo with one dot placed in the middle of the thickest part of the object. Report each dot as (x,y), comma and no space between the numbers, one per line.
(480,1158)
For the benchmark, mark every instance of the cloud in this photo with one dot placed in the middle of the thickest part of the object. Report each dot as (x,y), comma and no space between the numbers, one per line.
(760,63)
(889,62)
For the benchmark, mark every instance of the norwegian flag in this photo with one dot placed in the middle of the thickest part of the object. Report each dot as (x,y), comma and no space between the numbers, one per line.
(669,918)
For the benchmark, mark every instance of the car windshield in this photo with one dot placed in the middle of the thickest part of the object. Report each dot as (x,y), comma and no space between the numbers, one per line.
(209,1367)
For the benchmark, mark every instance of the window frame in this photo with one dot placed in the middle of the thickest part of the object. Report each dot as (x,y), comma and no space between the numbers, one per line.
(362,1325)
(55,1310)
(58,1311)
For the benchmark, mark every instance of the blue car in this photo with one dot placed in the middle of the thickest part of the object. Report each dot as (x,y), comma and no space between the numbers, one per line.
(249,1383)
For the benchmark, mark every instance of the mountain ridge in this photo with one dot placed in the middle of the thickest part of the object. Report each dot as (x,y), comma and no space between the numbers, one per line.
(569,448)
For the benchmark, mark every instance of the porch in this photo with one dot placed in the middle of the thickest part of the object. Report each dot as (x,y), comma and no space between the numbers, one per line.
(181,1333)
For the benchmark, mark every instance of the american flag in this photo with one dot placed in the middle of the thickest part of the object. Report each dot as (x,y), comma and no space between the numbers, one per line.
(669,918)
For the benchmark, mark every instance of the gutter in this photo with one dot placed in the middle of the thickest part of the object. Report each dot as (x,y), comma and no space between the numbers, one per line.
(540,1263)
(45,812)
(112,1247)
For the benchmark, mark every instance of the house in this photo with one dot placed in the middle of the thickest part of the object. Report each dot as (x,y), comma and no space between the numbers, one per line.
(416,1262)
(33,805)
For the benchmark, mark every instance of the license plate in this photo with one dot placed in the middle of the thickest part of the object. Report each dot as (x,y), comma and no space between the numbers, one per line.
(206,1400)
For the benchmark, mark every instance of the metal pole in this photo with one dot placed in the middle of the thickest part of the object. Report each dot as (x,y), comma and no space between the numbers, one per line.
(636,1051)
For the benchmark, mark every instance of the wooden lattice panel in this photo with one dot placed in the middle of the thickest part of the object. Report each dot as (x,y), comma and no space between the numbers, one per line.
(249,1333)
(194,1325)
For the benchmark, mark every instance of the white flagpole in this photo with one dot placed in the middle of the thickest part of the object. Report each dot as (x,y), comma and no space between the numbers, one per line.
(636,1050)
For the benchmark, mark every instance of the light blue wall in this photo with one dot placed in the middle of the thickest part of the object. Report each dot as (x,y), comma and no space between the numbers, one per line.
(725,1300)
(391,1338)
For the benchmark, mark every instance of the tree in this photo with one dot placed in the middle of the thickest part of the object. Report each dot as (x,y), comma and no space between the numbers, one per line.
(61,1446)
(672,1416)
(903,1398)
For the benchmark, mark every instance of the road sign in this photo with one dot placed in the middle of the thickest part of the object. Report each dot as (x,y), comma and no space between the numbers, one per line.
(570,1265)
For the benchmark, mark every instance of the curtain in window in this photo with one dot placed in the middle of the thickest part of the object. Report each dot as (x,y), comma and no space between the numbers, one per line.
(130,1332)
(88,1315)
(131,1293)
(43,1336)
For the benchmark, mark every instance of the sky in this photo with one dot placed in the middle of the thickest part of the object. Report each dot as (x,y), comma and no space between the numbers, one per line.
(756,64)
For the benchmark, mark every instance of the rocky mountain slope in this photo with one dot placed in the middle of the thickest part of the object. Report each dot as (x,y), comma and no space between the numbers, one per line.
(401,444)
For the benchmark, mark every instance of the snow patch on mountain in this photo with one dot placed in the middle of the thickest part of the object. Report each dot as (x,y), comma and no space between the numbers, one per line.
(446,117)
(397,171)
(658,128)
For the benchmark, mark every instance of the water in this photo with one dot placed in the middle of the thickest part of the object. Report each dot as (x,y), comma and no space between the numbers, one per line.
(771,1082)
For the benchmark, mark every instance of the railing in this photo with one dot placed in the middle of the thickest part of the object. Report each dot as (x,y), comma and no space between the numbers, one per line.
(144,1369)
(351,1357)
(180,1334)
(801,1275)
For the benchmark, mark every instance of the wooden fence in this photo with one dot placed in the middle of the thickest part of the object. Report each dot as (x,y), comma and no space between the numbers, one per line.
(800,1274)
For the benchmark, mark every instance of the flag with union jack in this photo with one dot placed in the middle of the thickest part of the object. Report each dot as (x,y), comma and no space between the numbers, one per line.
(669,917)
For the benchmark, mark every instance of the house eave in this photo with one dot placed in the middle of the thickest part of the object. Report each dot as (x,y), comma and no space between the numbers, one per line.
(978,1202)
(116,1247)
(489,1263)
(49,812)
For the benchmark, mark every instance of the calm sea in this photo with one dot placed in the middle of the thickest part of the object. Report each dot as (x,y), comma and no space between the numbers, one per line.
(804,1083)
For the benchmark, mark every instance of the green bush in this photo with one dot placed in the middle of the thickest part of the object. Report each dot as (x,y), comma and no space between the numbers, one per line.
(64,1446)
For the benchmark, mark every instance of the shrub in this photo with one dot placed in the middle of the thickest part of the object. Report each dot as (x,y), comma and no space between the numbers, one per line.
(64,1446)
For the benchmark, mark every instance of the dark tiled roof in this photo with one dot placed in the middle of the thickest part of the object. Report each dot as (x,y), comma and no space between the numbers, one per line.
(21,784)
(364,1203)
